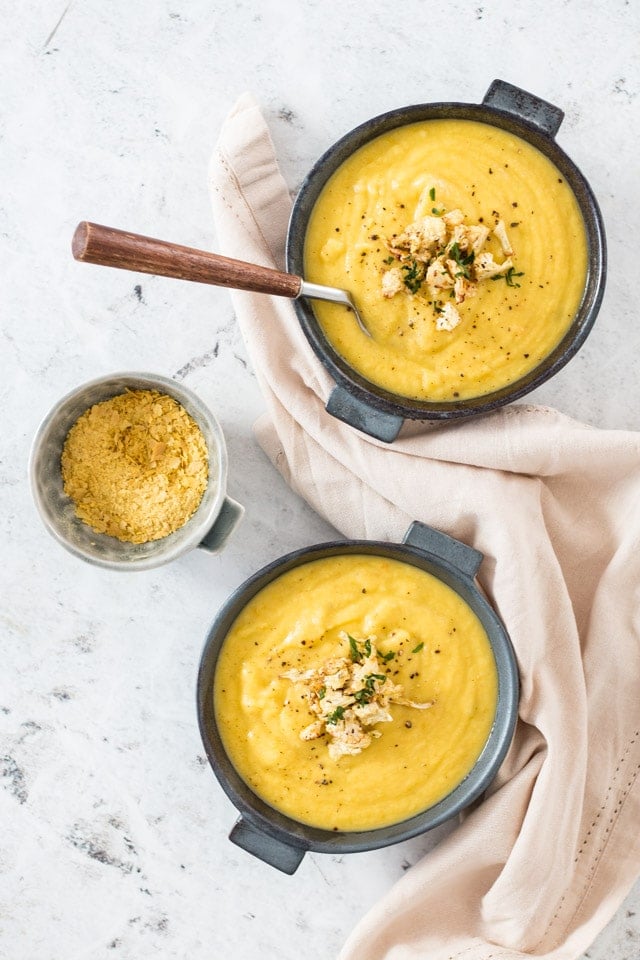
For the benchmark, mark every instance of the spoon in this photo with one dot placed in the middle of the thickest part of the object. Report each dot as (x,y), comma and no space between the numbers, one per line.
(93,243)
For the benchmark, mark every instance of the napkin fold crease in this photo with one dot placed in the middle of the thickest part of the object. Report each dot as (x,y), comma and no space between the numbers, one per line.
(539,868)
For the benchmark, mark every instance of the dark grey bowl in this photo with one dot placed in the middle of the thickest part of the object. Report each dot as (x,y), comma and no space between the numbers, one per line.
(276,838)
(374,410)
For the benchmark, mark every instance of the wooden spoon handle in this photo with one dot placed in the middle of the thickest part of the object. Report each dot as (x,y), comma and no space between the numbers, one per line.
(93,243)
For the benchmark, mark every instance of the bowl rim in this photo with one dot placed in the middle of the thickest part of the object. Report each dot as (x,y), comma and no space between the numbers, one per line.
(192,532)
(379,398)
(293,833)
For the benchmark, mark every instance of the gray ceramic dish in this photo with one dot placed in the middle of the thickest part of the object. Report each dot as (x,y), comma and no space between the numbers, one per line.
(370,408)
(276,838)
(209,527)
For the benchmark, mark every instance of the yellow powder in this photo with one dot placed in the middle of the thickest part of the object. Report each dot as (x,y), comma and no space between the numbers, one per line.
(136,466)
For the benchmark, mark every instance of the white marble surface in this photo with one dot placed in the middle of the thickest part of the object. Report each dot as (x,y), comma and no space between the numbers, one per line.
(113,830)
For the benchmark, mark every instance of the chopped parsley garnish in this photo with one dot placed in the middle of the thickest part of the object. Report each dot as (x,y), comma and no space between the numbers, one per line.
(363,696)
(388,656)
(509,275)
(413,275)
(463,262)
(438,211)
(389,260)
(432,193)
(418,648)
(337,714)
(367,693)
(356,655)
(356,648)
(321,693)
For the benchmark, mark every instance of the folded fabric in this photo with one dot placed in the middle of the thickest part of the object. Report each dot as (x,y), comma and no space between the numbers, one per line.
(554,505)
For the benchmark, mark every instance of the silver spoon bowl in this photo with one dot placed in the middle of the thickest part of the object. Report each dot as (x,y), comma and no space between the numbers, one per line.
(317,291)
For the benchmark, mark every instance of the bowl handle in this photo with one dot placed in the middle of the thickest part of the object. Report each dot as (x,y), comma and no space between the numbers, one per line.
(277,854)
(344,406)
(504,96)
(230,515)
(443,547)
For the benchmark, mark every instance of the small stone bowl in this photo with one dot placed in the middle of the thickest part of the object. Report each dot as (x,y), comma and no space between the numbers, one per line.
(210,526)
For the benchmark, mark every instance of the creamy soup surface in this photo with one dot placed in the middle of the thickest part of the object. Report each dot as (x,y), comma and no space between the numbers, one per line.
(430,642)
(512,323)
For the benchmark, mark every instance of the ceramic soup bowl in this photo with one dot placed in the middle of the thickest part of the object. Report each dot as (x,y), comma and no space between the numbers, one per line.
(359,398)
(281,839)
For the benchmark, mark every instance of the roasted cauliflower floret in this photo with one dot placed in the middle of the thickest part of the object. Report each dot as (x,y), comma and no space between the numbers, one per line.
(453,218)
(438,276)
(460,237)
(448,318)
(422,238)
(463,289)
(478,236)
(485,267)
(349,739)
(392,282)
(500,232)
(370,713)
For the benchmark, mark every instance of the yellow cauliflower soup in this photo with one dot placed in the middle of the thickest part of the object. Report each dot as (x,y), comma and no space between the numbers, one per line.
(465,251)
(355,691)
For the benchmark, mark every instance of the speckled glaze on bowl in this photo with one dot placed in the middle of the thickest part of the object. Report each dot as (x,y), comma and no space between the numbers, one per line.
(363,404)
(209,527)
(282,841)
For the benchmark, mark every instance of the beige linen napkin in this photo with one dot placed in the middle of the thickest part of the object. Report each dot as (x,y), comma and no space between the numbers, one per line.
(540,867)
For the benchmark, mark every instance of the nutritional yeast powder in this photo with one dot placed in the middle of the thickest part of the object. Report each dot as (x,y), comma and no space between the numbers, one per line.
(136,466)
